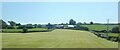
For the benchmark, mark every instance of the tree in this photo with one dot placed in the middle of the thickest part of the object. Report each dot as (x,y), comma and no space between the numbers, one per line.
(18,24)
(91,22)
(35,26)
(84,22)
(66,24)
(72,22)
(62,24)
(49,26)
(3,24)
(115,29)
(12,23)
(29,26)
(25,30)
(39,25)
(78,24)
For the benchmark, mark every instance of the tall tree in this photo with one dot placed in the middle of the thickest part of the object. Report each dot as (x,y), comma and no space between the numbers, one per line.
(35,26)
(49,26)
(3,24)
(84,22)
(91,22)
(39,25)
(78,24)
(18,24)
(12,23)
(29,26)
(72,22)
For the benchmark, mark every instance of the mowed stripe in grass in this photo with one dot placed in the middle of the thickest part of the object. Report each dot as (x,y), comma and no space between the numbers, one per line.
(59,38)
(99,27)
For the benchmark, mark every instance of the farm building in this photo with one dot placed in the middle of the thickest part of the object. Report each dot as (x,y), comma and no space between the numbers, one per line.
(59,26)
(44,26)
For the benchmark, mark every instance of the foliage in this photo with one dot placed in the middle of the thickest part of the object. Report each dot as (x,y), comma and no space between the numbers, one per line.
(39,25)
(72,22)
(21,27)
(115,29)
(10,27)
(18,24)
(91,22)
(25,30)
(35,25)
(12,23)
(3,24)
(29,26)
(49,26)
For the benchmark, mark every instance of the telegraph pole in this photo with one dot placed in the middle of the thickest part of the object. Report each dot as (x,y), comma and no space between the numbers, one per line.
(107,27)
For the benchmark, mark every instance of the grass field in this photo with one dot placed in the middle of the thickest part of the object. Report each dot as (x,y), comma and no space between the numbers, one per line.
(99,27)
(113,34)
(59,38)
(20,30)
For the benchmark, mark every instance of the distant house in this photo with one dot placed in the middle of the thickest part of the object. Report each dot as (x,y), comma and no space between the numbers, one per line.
(44,26)
(71,26)
(59,26)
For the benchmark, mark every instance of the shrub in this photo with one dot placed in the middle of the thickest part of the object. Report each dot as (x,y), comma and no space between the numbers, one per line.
(115,30)
(21,27)
(25,30)
(10,27)
(82,28)
(105,31)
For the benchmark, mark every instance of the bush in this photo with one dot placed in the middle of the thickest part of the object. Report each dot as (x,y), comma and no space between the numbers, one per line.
(25,30)
(82,28)
(10,27)
(105,31)
(21,27)
(115,30)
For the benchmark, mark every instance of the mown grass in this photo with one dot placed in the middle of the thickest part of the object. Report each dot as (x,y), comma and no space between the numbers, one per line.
(20,30)
(37,29)
(99,27)
(113,34)
(12,30)
(59,38)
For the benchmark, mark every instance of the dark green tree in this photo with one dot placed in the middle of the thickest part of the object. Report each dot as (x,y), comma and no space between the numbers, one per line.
(84,22)
(39,25)
(12,23)
(50,26)
(3,24)
(116,29)
(72,22)
(35,26)
(78,24)
(91,22)
(18,24)
(29,26)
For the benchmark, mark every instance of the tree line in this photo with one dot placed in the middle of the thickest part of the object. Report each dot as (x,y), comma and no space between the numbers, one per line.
(14,25)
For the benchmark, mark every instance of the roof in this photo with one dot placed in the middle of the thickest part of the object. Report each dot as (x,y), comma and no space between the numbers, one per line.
(71,26)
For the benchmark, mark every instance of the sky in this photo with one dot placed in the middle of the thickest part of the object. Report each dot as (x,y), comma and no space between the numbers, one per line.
(59,12)
(60,0)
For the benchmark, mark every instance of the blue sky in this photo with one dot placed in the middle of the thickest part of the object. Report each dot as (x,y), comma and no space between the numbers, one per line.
(59,12)
(60,0)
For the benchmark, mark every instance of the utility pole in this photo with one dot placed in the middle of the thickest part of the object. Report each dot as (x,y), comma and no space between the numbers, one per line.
(107,27)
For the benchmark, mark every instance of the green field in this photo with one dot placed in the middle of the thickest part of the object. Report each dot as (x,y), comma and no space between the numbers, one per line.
(20,30)
(59,38)
(99,27)
(113,34)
